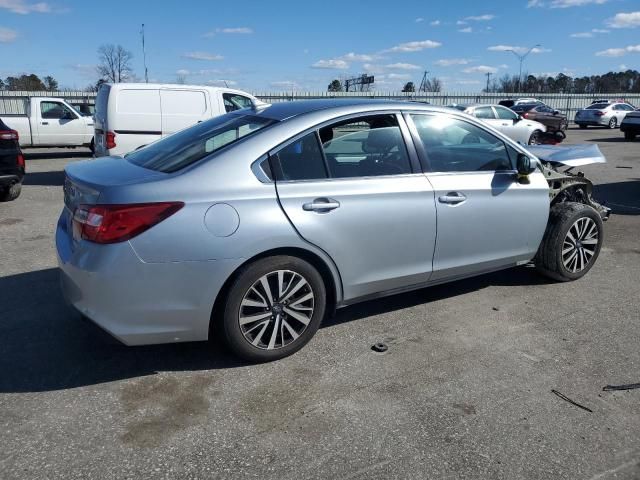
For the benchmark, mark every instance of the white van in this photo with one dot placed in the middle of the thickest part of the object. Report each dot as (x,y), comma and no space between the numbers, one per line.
(131,115)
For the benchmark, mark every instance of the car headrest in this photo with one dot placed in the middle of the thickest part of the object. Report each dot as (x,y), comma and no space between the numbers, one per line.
(382,139)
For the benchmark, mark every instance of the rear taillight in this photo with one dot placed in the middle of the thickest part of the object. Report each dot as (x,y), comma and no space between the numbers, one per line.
(110,140)
(21,161)
(599,114)
(525,115)
(117,223)
(9,135)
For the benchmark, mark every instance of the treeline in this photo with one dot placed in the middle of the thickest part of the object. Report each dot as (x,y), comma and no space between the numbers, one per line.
(29,82)
(612,82)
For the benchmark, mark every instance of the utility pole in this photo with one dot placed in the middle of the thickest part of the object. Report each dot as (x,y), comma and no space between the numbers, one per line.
(423,83)
(521,57)
(144,57)
(488,79)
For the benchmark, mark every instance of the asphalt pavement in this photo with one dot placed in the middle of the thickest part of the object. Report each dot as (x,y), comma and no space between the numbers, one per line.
(463,391)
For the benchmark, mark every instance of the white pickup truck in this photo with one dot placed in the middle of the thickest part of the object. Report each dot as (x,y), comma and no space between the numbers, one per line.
(47,122)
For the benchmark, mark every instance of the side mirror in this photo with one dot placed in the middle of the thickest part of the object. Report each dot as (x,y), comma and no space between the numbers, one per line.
(525,165)
(556,112)
(517,119)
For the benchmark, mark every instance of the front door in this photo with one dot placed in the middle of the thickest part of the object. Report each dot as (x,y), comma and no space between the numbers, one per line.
(59,125)
(487,219)
(350,189)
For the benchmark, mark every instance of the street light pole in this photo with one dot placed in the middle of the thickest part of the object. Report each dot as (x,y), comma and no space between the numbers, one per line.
(521,57)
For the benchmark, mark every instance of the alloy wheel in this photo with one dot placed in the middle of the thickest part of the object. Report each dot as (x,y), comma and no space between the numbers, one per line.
(580,244)
(276,309)
(613,123)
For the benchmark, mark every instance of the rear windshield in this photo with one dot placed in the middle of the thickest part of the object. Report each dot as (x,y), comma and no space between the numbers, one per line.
(598,106)
(523,107)
(181,149)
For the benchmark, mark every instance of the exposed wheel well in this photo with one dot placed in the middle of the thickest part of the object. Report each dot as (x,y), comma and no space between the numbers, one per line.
(312,258)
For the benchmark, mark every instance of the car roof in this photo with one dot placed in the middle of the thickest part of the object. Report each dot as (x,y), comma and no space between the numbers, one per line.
(285,110)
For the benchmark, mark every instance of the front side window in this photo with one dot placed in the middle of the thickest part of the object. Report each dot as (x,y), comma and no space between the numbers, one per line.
(505,113)
(186,147)
(367,146)
(234,102)
(300,160)
(484,112)
(454,145)
(55,111)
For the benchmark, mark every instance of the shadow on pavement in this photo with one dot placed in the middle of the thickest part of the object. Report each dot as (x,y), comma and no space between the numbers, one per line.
(44,155)
(619,139)
(623,198)
(54,178)
(45,345)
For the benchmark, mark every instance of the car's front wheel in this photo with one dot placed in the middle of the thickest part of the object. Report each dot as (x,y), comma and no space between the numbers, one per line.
(274,307)
(571,242)
(535,137)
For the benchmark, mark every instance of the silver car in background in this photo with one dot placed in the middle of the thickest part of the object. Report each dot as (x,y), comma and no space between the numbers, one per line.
(603,114)
(255,225)
(506,121)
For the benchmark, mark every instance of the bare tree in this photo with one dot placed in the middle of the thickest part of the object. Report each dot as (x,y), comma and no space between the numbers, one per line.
(181,79)
(433,85)
(115,63)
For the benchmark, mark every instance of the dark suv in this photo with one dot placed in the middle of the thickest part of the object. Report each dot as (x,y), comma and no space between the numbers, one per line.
(11,164)
(539,112)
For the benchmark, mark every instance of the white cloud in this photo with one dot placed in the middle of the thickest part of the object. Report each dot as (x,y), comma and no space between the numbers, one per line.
(461,22)
(7,35)
(232,30)
(403,66)
(467,82)
(85,70)
(618,52)
(399,76)
(600,30)
(202,56)
(286,85)
(623,67)
(581,35)
(481,18)
(414,46)
(534,3)
(563,3)
(480,69)
(435,23)
(419,20)
(448,62)
(22,7)
(466,30)
(332,64)
(357,57)
(519,50)
(222,83)
(183,71)
(625,20)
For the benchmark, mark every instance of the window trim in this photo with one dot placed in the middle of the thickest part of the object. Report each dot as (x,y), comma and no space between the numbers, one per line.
(424,157)
(412,154)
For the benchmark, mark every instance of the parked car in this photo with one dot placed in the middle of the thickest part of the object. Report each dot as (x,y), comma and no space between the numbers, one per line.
(553,119)
(131,115)
(630,125)
(254,225)
(12,166)
(501,118)
(50,122)
(603,114)
(518,101)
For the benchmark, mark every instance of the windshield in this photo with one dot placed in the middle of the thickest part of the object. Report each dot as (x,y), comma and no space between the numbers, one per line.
(181,149)
(598,106)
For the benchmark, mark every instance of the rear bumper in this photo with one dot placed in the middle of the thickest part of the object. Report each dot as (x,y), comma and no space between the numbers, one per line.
(6,180)
(138,303)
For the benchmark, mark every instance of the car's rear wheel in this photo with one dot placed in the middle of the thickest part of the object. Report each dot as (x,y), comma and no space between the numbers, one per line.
(274,307)
(10,193)
(629,136)
(571,242)
(534,139)
(613,123)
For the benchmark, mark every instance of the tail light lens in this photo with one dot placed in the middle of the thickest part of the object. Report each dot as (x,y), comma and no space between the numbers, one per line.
(599,113)
(21,160)
(117,223)
(525,115)
(110,140)
(9,135)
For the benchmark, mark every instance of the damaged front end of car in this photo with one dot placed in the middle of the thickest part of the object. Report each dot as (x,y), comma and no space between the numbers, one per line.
(564,184)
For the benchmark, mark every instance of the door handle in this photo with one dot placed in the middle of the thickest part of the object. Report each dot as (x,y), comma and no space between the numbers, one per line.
(452,198)
(45,123)
(321,205)
(505,124)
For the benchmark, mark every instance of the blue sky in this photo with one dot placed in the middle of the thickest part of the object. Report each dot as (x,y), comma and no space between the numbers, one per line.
(285,45)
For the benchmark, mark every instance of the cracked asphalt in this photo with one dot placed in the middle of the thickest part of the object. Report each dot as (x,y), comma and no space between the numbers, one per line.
(463,391)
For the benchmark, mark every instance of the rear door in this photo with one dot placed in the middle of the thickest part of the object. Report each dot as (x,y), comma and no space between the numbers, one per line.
(354,190)
(182,108)
(58,124)
(486,219)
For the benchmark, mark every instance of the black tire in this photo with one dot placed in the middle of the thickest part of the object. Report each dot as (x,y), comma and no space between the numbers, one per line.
(629,136)
(613,123)
(534,139)
(562,218)
(234,336)
(582,126)
(10,193)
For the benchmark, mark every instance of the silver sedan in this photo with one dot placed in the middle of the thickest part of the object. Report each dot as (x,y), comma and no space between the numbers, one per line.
(255,225)
(603,114)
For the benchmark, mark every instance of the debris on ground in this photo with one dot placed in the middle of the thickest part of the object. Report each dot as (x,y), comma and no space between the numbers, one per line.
(613,388)
(567,399)
(379,347)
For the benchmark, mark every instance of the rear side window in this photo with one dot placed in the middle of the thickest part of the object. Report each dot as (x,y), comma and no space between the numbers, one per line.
(505,113)
(300,160)
(233,101)
(598,106)
(484,112)
(186,147)
(454,145)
